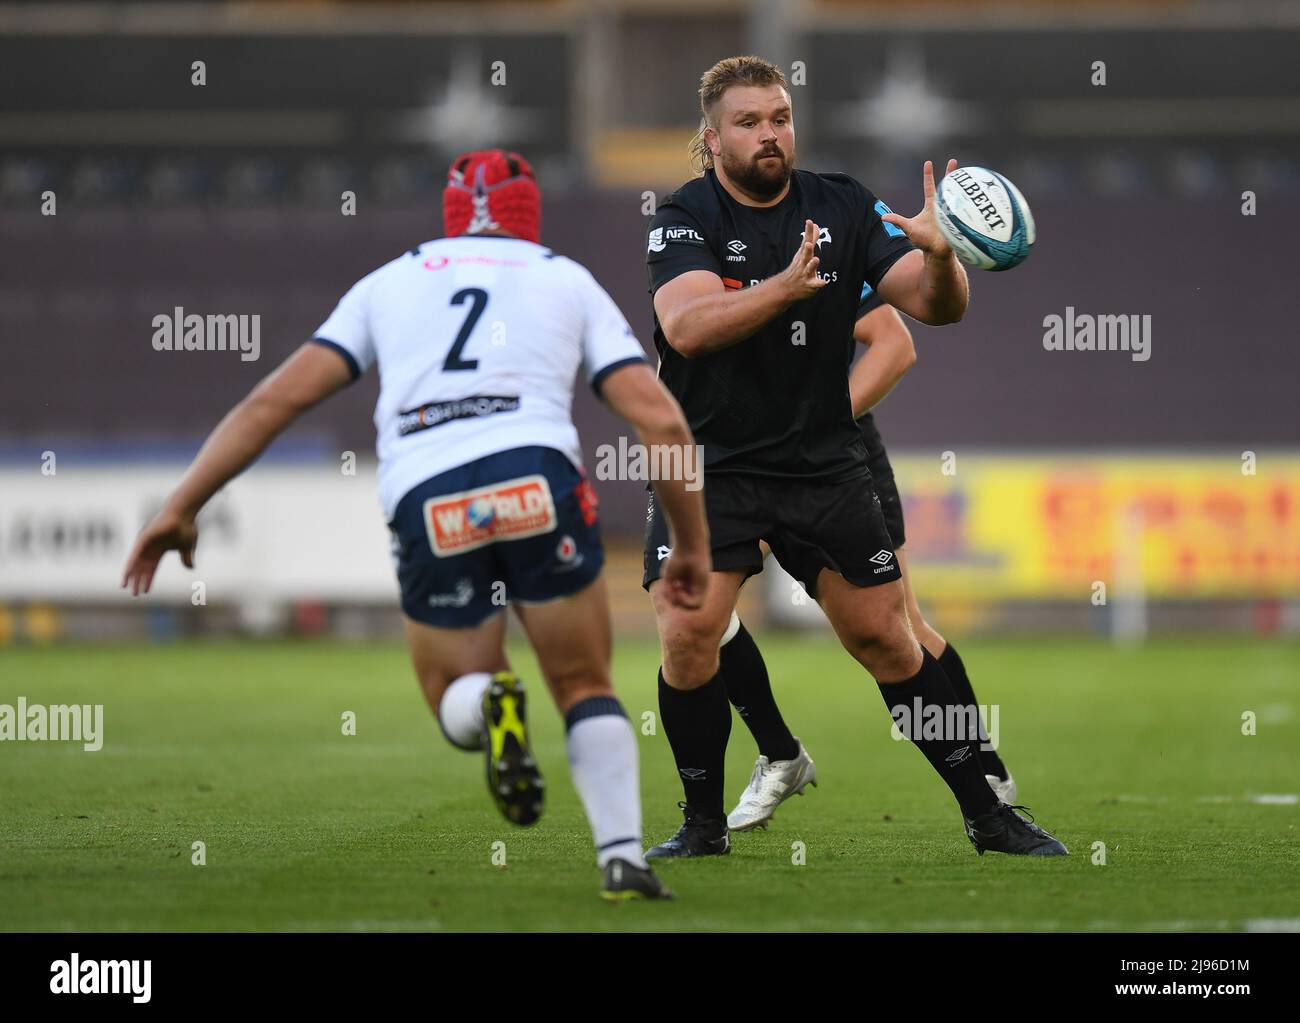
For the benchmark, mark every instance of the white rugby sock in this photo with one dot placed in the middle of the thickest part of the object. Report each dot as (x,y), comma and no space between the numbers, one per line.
(461,710)
(603,761)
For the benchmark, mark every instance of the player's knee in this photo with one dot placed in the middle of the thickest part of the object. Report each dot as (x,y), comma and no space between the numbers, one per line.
(888,650)
(690,668)
(690,660)
(690,648)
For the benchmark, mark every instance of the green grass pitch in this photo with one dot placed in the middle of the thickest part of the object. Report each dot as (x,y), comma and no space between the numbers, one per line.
(240,746)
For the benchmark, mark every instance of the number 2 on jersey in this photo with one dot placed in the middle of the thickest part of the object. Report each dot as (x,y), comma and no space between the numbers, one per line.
(479,298)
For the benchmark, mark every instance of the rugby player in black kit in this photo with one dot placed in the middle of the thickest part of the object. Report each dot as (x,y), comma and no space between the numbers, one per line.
(784,767)
(756,348)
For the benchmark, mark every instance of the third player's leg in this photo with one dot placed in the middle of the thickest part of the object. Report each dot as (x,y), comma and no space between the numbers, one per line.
(926,633)
(995,769)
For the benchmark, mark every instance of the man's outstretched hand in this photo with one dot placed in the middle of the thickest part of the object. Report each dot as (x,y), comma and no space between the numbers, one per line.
(801,279)
(169,531)
(922,230)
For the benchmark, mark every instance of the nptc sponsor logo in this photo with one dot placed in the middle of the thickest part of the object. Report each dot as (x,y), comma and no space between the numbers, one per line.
(661,237)
(511,510)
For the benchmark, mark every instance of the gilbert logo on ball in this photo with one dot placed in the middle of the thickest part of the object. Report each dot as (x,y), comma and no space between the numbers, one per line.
(985,218)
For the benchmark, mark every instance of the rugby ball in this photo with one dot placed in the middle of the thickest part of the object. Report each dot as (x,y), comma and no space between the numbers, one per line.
(985,218)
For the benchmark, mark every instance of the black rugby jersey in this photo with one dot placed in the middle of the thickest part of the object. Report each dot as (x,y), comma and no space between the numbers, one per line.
(777,403)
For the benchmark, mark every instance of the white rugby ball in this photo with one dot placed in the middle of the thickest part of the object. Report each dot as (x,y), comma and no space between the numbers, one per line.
(985,218)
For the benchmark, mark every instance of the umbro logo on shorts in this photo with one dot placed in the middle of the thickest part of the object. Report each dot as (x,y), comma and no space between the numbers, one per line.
(881,558)
(664,552)
(958,756)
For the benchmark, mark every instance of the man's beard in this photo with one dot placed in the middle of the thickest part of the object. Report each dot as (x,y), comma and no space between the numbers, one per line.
(757,177)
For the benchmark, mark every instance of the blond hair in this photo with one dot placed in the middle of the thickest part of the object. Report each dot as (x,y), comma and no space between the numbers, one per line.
(747,70)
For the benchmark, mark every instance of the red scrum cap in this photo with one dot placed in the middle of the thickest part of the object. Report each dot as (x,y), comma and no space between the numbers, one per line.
(491,189)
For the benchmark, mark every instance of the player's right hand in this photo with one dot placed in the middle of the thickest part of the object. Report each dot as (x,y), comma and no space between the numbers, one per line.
(686,576)
(169,531)
(800,277)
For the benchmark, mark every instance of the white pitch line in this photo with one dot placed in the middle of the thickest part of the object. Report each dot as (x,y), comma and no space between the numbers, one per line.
(1274,925)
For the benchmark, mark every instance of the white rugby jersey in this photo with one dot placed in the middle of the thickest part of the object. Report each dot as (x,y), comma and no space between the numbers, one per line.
(478,340)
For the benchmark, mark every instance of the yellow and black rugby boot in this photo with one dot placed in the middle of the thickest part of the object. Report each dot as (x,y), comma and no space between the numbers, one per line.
(512,775)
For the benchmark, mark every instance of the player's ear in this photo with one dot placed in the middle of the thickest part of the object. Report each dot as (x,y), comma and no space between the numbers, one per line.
(711,140)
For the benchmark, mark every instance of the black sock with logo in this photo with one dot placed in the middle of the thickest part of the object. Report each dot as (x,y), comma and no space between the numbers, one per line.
(951,663)
(698,725)
(750,691)
(955,759)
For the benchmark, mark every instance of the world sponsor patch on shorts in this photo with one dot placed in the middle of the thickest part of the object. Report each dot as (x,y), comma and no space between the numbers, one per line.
(510,510)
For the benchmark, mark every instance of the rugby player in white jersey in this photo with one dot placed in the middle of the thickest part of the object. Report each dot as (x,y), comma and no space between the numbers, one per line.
(477,338)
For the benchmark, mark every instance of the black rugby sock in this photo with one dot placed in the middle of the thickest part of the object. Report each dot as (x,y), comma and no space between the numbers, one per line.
(951,663)
(750,691)
(955,759)
(698,725)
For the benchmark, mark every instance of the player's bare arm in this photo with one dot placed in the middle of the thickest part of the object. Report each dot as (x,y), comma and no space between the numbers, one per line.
(890,353)
(307,377)
(930,284)
(636,394)
(699,316)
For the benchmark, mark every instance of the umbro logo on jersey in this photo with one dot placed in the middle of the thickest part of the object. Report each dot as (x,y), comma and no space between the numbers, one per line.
(736,247)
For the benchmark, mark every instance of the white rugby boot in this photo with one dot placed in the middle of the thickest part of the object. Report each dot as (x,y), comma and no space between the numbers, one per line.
(771,784)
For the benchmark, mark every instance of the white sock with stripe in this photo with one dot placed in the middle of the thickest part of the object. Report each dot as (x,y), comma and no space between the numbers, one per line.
(604,765)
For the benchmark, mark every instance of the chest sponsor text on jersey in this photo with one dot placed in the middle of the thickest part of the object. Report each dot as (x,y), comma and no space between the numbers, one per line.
(413,420)
(829,276)
(511,510)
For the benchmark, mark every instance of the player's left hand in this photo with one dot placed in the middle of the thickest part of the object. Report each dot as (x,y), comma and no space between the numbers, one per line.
(922,230)
(169,531)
